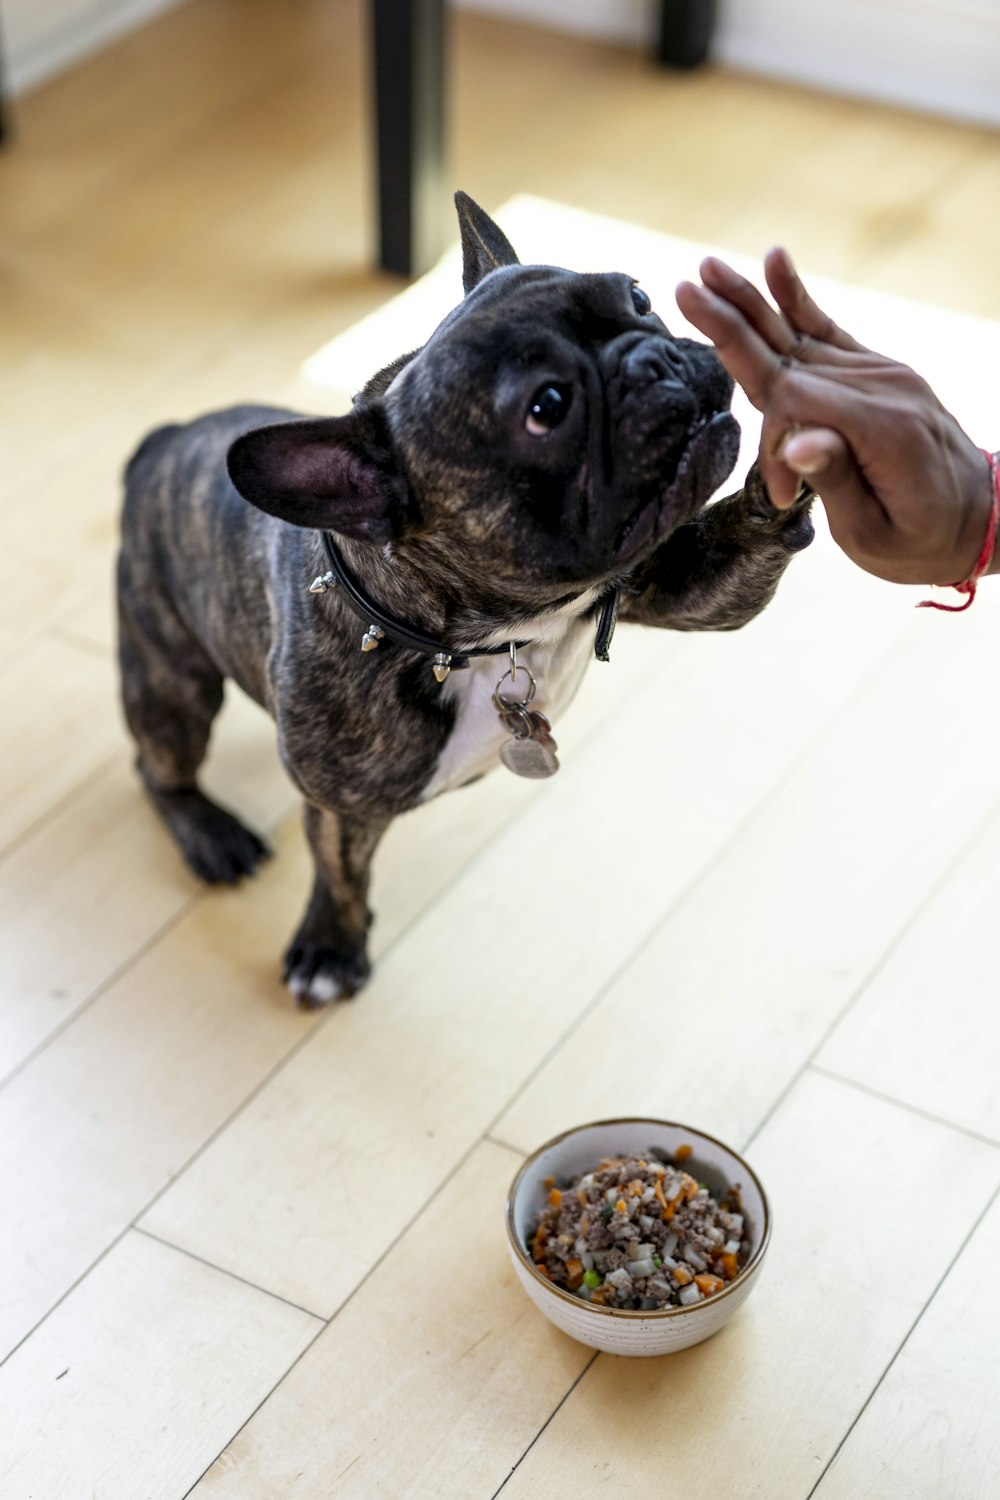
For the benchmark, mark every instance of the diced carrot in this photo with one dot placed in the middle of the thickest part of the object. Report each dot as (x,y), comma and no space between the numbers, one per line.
(636,1188)
(621,1206)
(581,1197)
(731,1266)
(574,1270)
(690,1186)
(555,1198)
(709,1284)
(584,1225)
(538,1243)
(549,1182)
(670,1210)
(541,1265)
(682,1153)
(598,1295)
(681,1275)
(658,1190)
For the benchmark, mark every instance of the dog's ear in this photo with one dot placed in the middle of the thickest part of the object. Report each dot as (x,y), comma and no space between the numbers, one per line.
(332,473)
(484,244)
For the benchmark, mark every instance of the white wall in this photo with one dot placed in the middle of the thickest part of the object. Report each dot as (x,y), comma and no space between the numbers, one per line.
(939,55)
(41,37)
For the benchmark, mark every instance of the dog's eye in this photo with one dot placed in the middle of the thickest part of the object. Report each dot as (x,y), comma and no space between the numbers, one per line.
(548,408)
(640,301)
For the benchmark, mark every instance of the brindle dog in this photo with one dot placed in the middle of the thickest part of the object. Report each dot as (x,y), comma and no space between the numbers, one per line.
(550,443)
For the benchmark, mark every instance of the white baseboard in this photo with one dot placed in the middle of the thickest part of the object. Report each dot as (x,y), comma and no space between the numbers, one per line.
(630,21)
(941,56)
(43,37)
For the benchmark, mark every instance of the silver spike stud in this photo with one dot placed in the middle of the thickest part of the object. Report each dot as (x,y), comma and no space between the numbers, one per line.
(371,638)
(322,583)
(441,665)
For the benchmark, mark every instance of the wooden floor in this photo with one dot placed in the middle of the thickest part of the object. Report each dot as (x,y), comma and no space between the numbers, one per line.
(249,1252)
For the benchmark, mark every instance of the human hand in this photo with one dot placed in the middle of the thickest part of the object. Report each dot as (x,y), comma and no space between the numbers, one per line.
(908,495)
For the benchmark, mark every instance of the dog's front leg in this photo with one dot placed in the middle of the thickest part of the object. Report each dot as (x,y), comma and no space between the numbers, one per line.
(719,570)
(327,959)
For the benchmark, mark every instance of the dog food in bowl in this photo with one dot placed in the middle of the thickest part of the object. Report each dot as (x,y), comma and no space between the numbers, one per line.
(640,1233)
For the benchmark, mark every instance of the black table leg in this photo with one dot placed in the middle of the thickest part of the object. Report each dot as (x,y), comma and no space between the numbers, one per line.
(686,28)
(409,109)
(5,121)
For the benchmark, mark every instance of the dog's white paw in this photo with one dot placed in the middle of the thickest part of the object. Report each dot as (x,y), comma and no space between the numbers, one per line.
(318,974)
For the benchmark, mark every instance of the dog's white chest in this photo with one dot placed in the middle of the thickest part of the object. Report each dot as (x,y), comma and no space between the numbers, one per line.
(473,747)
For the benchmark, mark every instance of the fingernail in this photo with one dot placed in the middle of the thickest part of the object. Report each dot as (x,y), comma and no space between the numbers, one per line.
(802,457)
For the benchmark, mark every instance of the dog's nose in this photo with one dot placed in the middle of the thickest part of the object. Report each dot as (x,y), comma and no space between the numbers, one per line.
(650,361)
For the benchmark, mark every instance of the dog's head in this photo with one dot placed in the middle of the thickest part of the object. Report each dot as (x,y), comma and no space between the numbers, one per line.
(545,439)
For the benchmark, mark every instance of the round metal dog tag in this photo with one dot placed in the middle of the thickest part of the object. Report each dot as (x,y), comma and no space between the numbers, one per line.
(529,757)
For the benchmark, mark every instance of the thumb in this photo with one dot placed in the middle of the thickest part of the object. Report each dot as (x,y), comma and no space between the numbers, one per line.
(821,456)
(853,509)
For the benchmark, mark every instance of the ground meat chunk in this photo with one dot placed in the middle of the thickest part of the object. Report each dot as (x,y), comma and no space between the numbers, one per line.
(637,1233)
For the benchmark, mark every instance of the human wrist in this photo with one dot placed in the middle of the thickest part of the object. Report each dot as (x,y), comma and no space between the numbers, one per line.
(994,564)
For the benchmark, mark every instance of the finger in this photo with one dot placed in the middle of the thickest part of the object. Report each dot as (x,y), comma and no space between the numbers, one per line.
(721,279)
(859,522)
(808,417)
(816,453)
(785,286)
(747,357)
(779,333)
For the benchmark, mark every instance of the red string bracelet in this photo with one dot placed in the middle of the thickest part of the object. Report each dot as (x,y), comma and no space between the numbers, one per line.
(968,585)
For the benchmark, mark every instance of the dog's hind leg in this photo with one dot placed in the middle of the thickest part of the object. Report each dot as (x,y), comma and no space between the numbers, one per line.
(172,691)
(327,958)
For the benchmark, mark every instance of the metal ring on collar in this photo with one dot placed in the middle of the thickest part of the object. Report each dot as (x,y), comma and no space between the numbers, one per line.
(501,703)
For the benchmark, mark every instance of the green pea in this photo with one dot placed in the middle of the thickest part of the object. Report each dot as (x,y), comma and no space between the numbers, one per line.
(592,1278)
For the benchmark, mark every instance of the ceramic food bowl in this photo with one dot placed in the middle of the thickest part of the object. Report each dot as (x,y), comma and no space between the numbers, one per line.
(616,1330)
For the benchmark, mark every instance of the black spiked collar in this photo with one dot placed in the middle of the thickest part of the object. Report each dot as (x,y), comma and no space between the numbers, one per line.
(381,626)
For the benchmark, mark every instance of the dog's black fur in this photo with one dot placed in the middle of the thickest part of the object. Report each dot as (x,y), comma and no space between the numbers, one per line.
(462,514)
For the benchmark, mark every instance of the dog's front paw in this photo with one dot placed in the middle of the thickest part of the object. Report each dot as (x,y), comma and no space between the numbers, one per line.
(320,973)
(792,529)
(217,847)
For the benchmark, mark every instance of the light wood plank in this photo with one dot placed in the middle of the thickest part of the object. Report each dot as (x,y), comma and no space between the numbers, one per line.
(837,220)
(681,128)
(186,1352)
(926,1029)
(104,1116)
(934,264)
(933,1426)
(760,1408)
(569,891)
(81,1144)
(763,954)
(56,696)
(92,135)
(431,1381)
(103,874)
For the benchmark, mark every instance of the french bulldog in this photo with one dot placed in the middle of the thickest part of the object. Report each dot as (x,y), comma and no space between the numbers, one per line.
(475,520)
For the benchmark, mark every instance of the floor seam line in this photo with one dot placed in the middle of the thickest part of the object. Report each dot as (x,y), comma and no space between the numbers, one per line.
(905,1340)
(212,1265)
(913,1109)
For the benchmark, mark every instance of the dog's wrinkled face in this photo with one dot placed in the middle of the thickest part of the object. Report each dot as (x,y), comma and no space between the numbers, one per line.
(559,427)
(549,434)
